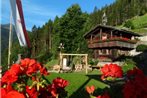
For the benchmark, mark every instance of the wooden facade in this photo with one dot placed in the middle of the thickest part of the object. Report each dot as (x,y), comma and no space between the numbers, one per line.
(109,42)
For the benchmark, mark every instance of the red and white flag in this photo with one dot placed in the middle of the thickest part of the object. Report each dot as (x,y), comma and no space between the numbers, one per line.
(18,18)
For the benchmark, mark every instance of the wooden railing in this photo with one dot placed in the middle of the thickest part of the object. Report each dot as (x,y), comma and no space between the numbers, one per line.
(113,39)
(112,43)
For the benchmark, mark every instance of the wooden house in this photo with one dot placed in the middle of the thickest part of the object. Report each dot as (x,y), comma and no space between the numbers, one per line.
(108,42)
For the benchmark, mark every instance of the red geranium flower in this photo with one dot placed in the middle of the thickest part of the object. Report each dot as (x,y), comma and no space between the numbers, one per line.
(44,71)
(29,66)
(136,85)
(27,62)
(134,72)
(90,89)
(3,92)
(44,93)
(9,77)
(14,94)
(52,90)
(32,92)
(60,83)
(111,70)
(16,69)
(105,69)
(115,70)
(18,76)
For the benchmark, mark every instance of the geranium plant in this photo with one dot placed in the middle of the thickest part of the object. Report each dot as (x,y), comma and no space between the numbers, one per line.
(136,84)
(26,80)
(111,72)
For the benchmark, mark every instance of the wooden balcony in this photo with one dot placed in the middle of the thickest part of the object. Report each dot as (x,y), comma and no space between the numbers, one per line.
(112,43)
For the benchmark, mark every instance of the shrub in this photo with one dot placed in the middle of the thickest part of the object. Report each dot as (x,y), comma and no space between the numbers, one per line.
(129,24)
(129,61)
(129,64)
(44,57)
(93,62)
(141,48)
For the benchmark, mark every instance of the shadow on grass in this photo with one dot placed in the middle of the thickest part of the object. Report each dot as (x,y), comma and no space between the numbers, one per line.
(46,79)
(114,92)
(95,77)
(115,86)
(81,92)
(114,89)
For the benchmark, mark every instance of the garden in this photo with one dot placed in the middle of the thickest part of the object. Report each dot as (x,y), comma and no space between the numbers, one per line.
(30,79)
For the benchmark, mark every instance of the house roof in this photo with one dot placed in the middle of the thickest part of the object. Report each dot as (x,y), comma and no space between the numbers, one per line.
(96,28)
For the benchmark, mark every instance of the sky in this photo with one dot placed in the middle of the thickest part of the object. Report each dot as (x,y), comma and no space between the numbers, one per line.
(38,12)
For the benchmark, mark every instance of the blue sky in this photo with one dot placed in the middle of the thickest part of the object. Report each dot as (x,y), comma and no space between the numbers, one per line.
(40,11)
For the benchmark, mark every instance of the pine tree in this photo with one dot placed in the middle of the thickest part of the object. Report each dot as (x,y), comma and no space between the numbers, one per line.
(70,25)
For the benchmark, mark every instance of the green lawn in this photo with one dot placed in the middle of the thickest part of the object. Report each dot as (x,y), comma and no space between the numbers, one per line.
(78,81)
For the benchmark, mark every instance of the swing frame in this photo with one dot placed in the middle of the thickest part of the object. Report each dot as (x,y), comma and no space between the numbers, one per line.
(69,54)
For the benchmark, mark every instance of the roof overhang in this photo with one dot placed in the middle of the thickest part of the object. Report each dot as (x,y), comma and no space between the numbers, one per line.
(98,27)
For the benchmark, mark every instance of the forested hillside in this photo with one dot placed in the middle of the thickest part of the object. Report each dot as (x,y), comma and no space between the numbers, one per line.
(70,28)
(118,12)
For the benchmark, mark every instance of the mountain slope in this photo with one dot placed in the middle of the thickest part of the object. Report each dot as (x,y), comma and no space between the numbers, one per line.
(5,36)
(136,24)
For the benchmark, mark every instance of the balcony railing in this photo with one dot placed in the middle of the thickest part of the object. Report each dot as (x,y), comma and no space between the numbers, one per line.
(114,39)
(115,42)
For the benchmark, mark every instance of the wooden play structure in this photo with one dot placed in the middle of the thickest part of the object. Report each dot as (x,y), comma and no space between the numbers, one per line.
(77,67)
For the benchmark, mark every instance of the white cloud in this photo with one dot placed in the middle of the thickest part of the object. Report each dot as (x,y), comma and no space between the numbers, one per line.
(34,13)
(37,14)
(35,9)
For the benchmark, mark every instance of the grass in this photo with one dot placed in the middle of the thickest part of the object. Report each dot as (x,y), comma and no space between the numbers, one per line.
(139,24)
(140,21)
(141,30)
(78,81)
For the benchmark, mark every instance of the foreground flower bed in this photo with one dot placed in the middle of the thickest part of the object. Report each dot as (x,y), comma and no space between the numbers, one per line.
(134,83)
(14,83)
(28,80)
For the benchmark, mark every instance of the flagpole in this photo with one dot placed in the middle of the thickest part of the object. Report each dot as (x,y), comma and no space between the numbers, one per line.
(10,40)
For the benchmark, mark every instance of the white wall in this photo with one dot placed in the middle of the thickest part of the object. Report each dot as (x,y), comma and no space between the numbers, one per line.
(143,38)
